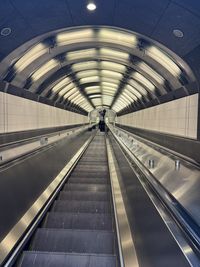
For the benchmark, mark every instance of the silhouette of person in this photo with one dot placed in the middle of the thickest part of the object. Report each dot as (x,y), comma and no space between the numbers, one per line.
(102,114)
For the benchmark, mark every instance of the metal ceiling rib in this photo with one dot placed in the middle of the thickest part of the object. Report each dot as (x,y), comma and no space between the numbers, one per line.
(92,67)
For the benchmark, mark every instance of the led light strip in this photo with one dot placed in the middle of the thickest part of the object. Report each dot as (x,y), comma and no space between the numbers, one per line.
(111,67)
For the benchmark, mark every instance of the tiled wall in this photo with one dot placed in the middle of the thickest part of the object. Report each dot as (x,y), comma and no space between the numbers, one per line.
(19,114)
(178,117)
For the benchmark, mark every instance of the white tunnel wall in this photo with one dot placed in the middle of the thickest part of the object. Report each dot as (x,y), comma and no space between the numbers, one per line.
(20,114)
(178,117)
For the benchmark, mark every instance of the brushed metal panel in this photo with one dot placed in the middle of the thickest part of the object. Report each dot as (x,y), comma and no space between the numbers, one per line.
(128,256)
(182,183)
(10,240)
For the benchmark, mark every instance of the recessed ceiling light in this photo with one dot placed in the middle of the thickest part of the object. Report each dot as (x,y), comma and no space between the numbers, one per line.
(178,33)
(6,31)
(91,6)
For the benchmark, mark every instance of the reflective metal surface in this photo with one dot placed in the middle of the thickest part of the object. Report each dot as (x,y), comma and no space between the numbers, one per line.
(128,257)
(8,153)
(179,177)
(141,157)
(79,220)
(10,240)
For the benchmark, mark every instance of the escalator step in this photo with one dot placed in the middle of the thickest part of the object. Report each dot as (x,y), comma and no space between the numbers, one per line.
(98,151)
(78,174)
(87,187)
(45,259)
(91,168)
(84,195)
(90,171)
(94,155)
(89,221)
(78,241)
(82,206)
(90,180)
(92,161)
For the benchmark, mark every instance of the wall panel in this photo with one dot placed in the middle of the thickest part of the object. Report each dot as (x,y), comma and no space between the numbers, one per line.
(20,114)
(178,117)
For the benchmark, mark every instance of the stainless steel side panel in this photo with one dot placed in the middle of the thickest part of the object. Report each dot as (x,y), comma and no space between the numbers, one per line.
(158,240)
(29,184)
(183,182)
(128,256)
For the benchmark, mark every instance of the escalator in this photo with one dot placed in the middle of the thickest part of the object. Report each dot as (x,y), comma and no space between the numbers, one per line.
(79,229)
(105,215)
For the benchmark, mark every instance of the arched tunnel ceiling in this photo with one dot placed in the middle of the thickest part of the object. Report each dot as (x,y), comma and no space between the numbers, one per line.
(87,67)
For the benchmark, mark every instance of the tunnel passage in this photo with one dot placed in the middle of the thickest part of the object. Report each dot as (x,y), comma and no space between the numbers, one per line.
(61,64)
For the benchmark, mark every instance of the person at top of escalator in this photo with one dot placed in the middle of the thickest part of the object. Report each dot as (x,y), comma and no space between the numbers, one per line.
(102,114)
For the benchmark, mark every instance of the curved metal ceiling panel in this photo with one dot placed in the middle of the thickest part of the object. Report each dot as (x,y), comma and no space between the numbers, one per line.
(90,67)
(98,74)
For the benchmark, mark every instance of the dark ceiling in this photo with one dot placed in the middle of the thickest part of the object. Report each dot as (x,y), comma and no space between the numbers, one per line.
(152,18)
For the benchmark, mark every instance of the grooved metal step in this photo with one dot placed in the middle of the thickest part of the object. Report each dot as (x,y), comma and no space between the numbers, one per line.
(86,221)
(87,187)
(91,163)
(98,158)
(93,159)
(90,180)
(91,172)
(82,206)
(45,259)
(91,168)
(84,195)
(78,241)
(79,174)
